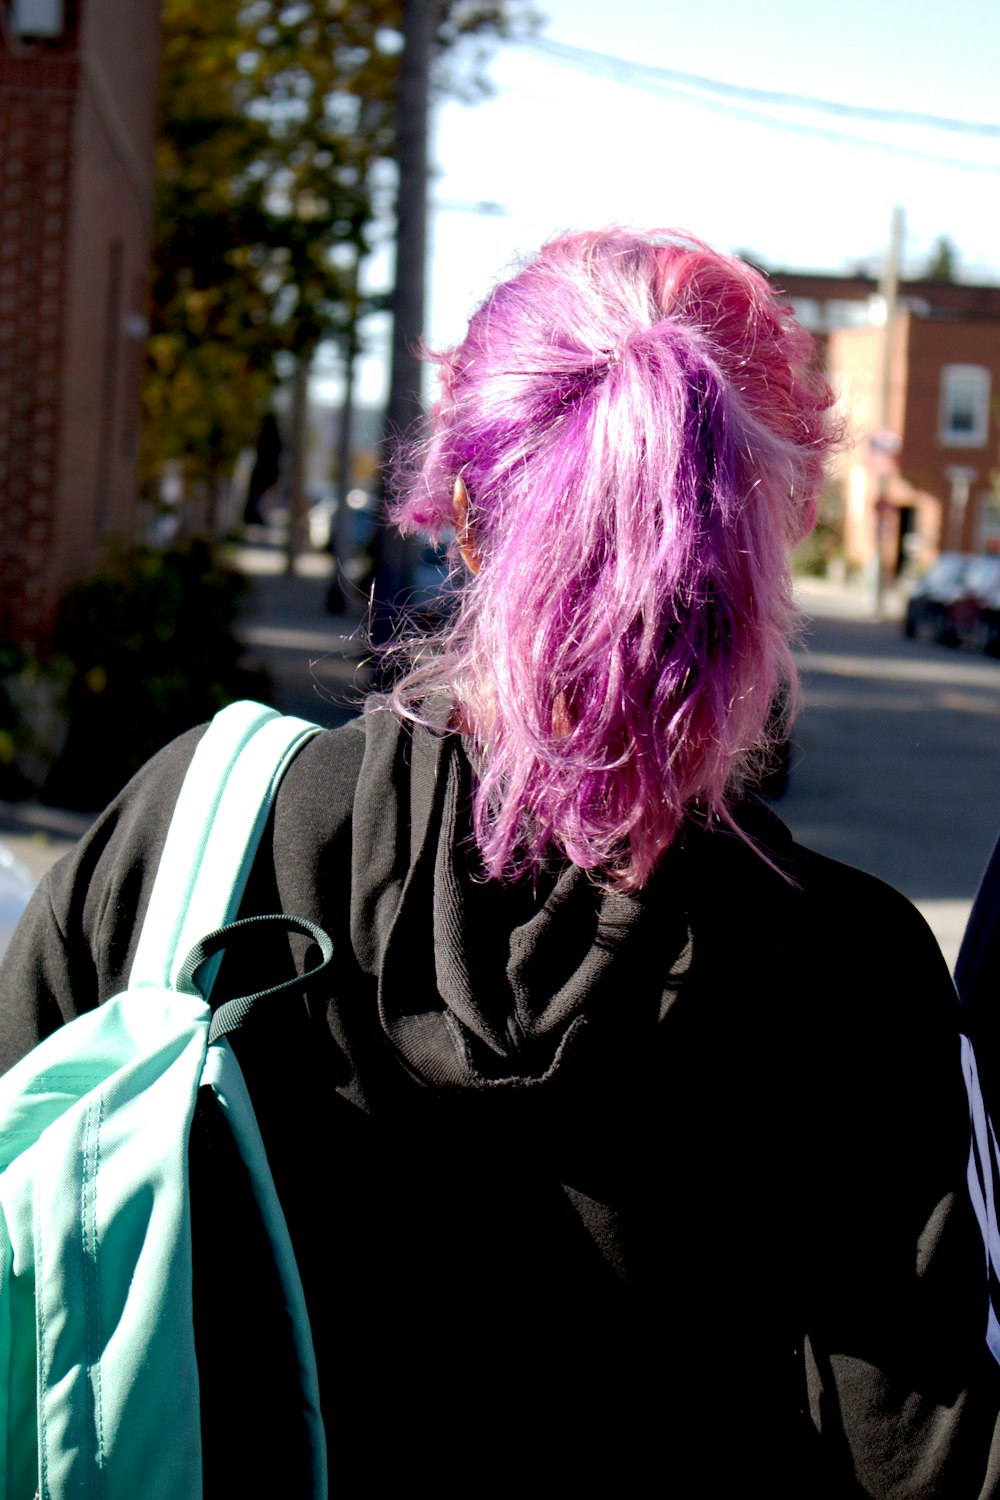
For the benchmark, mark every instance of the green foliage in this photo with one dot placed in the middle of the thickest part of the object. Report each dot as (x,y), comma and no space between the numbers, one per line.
(33,720)
(943,263)
(814,553)
(149,650)
(273,115)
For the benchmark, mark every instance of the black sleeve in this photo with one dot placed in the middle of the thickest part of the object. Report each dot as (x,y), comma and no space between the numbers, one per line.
(977,976)
(902,1387)
(977,973)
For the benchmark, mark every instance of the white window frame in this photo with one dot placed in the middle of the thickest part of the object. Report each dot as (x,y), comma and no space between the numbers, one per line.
(965,391)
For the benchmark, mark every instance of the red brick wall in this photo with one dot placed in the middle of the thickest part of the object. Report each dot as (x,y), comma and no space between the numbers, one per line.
(107,272)
(922,348)
(855,364)
(76,180)
(925,458)
(37,102)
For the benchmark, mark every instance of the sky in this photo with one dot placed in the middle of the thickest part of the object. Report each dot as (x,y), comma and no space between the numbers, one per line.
(556,147)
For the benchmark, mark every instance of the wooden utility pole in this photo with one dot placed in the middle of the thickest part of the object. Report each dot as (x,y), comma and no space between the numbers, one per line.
(419,25)
(297,502)
(340,537)
(420,17)
(889,289)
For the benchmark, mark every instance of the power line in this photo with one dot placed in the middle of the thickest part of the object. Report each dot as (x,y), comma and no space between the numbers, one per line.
(654,81)
(628,71)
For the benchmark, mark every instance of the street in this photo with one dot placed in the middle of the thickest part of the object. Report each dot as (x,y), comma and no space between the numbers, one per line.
(896,759)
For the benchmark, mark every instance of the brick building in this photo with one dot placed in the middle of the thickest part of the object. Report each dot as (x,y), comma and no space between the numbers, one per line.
(932,463)
(77,119)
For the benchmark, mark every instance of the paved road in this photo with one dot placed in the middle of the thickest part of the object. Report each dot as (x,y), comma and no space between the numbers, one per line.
(316,660)
(896,765)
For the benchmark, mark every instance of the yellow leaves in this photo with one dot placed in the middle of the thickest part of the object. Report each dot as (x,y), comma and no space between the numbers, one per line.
(199,305)
(309,206)
(272,116)
(164,350)
(185,392)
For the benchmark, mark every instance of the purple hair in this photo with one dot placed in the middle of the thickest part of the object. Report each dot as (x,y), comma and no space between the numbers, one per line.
(640,428)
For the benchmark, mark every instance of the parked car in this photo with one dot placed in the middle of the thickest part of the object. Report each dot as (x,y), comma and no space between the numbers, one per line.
(930,614)
(974,618)
(16,886)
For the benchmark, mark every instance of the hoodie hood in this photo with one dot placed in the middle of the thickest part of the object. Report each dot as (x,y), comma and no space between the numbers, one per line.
(483,984)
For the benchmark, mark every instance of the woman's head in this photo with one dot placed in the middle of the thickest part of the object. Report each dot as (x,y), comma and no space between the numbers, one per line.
(640,432)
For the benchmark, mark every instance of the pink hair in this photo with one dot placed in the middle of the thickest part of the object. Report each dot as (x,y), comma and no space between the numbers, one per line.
(640,427)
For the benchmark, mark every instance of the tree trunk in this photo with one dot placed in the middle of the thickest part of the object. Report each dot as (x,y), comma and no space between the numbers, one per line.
(297,505)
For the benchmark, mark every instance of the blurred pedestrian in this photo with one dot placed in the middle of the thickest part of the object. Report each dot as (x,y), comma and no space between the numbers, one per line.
(265,472)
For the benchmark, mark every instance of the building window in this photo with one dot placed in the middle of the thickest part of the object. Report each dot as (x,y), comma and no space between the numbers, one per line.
(965,405)
(37,18)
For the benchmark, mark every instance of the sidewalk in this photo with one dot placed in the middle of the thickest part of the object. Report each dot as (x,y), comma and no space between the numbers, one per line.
(38,836)
(846,601)
(315,659)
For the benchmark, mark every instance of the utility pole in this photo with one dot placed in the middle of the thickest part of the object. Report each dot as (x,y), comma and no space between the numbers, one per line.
(419,20)
(297,504)
(340,537)
(889,290)
(419,26)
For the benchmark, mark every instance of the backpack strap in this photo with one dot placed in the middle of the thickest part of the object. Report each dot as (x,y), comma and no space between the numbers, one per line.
(231,1014)
(96,1270)
(217,825)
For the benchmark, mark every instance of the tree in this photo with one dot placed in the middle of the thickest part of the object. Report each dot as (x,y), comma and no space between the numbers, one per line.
(943,262)
(258,177)
(273,115)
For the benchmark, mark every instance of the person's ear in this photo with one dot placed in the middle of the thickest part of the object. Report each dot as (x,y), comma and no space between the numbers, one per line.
(463,530)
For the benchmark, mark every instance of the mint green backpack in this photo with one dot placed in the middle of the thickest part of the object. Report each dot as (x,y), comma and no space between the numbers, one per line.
(99,1391)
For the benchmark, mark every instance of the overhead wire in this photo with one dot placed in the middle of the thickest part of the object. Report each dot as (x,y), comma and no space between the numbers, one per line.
(713,94)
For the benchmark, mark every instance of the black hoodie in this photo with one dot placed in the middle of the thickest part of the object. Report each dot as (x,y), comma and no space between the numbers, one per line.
(589,1191)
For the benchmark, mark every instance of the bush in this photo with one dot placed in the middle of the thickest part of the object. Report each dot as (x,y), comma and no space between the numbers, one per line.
(151,651)
(813,555)
(33,720)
